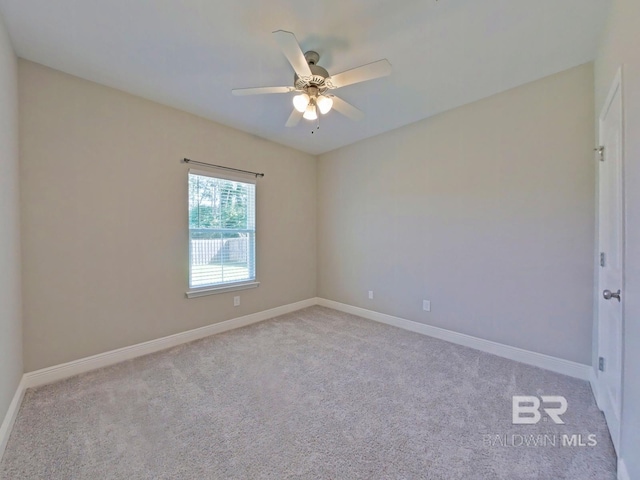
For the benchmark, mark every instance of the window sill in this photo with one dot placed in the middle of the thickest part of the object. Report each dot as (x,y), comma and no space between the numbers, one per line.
(201,292)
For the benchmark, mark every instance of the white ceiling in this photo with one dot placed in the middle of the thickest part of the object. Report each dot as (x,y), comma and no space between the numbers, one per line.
(189,54)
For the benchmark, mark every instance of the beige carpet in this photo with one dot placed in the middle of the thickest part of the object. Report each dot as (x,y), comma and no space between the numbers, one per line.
(316,394)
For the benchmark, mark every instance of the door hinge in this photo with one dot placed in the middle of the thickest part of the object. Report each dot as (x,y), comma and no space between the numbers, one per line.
(601,364)
(600,150)
(603,259)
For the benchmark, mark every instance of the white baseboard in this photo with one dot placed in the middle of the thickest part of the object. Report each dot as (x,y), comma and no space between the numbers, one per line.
(65,370)
(540,360)
(623,473)
(593,380)
(10,417)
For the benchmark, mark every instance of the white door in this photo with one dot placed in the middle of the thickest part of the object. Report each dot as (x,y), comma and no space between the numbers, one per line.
(610,277)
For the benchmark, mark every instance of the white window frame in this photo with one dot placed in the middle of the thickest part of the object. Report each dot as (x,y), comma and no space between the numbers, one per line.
(194,292)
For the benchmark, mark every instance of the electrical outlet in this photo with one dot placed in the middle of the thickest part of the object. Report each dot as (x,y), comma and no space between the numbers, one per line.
(426,305)
(236,301)
(370,294)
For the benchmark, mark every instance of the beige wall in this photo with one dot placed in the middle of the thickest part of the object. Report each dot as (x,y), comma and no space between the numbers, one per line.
(10,303)
(620,47)
(486,210)
(104,218)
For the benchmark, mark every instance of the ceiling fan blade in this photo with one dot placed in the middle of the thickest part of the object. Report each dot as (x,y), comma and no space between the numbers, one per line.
(294,118)
(261,90)
(346,109)
(291,49)
(378,69)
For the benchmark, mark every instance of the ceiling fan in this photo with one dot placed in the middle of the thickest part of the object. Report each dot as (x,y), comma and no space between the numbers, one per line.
(313,83)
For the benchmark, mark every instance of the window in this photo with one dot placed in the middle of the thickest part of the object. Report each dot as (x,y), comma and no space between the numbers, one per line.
(222,233)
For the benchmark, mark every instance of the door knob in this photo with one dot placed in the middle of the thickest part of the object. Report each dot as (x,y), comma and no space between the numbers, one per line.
(608,295)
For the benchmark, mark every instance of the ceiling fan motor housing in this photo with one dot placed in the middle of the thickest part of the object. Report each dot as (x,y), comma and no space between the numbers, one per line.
(317,78)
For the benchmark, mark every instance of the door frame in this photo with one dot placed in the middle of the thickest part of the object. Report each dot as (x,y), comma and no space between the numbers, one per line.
(616,85)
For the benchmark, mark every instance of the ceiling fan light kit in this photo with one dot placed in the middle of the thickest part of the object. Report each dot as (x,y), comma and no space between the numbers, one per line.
(310,112)
(300,102)
(312,82)
(310,101)
(324,104)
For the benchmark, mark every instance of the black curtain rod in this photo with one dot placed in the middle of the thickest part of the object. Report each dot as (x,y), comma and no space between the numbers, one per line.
(186,160)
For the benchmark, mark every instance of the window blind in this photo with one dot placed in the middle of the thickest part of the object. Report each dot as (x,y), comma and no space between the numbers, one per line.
(222,230)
